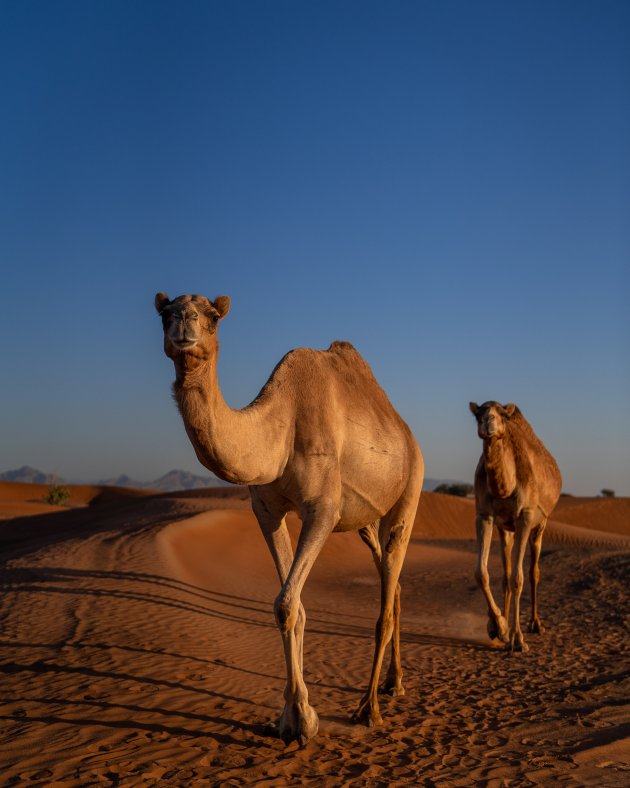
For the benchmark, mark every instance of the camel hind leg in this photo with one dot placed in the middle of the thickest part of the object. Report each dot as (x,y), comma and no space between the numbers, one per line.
(395,531)
(393,681)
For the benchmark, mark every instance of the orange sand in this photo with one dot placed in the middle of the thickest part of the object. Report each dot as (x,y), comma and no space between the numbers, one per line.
(138,648)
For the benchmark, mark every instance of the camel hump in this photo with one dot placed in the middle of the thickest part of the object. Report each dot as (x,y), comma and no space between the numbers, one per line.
(347,354)
(339,345)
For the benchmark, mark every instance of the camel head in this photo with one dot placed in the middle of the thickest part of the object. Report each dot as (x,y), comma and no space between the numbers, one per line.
(190,325)
(492,418)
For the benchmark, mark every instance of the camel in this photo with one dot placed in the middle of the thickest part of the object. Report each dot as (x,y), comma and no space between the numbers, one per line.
(321,439)
(517,484)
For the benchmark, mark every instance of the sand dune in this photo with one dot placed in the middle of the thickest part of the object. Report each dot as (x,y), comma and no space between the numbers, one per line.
(602,514)
(137,647)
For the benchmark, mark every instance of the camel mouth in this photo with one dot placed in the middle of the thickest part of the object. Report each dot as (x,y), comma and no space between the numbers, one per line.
(185,344)
(488,433)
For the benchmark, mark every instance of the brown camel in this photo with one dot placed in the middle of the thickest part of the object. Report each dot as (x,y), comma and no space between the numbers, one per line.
(517,484)
(321,439)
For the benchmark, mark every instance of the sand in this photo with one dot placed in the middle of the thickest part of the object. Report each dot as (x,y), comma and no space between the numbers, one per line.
(138,647)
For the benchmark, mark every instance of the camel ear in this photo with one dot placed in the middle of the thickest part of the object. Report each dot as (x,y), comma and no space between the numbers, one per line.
(161,301)
(222,305)
(474,408)
(509,409)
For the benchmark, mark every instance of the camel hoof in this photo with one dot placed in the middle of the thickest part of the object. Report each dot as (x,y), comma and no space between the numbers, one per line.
(298,722)
(394,692)
(287,736)
(517,645)
(368,720)
(365,715)
(393,688)
(498,629)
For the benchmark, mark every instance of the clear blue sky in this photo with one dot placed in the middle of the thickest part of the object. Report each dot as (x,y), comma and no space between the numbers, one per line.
(444,184)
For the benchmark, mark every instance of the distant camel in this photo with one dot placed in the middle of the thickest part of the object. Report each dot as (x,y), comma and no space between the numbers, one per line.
(323,440)
(517,485)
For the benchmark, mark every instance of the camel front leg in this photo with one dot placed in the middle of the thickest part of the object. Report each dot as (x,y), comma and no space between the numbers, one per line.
(535,546)
(274,529)
(299,720)
(398,525)
(523,531)
(497,624)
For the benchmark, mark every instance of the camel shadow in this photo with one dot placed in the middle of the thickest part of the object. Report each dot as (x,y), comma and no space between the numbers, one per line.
(21,534)
(170,593)
(130,712)
(205,602)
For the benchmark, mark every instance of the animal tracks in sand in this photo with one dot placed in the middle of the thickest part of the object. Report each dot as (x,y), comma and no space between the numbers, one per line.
(117,667)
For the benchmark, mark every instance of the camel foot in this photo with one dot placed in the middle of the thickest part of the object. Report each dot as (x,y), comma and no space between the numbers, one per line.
(517,644)
(393,690)
(367,714)
(498,629)
(536,627)
(393,685)
(298,722)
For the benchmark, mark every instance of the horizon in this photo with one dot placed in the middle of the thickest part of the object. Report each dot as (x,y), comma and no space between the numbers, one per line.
(210,478)
(445,186)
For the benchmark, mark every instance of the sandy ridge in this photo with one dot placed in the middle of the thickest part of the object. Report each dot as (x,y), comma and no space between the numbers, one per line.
(139,649)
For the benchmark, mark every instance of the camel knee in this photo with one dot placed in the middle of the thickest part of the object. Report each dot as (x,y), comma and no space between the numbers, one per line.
(482,577)
(385,625)
(397,600)
(287,612)
(398,535)
(516,583)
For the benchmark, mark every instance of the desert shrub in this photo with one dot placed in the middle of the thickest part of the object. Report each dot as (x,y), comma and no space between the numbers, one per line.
(57,495)
(607,493)
(461,490)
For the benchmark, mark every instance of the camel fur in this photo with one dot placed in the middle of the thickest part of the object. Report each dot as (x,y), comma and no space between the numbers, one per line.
(517,485)
(321,439)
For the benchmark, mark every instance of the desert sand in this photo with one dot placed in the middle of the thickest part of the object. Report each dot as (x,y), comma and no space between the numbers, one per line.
(138,647)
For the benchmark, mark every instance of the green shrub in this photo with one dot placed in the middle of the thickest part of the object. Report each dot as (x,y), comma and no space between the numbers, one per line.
(607,493)
(57,495)
(461,490)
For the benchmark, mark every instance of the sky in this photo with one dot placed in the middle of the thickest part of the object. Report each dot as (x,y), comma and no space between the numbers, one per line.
(444,184)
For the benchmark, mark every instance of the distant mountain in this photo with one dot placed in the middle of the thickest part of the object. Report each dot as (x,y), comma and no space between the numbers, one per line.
(28,475)
(183,480)
(171,481)
(122,481)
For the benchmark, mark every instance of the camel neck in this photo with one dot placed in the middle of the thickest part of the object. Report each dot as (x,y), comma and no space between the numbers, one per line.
(500,466)
(239,446)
